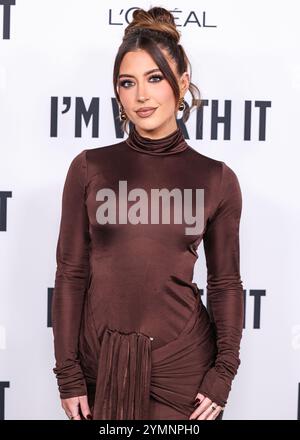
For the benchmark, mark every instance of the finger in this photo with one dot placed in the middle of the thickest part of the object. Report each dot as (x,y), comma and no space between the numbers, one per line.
(77,417)
(73,415)
(71,407)
(199,397)
(207,413)
(84,406)
(202,407)
(214,414)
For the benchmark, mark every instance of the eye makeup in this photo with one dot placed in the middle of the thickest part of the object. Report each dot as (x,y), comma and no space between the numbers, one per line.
(123,82)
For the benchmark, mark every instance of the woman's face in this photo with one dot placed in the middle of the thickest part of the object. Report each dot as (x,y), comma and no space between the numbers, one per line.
(137,88)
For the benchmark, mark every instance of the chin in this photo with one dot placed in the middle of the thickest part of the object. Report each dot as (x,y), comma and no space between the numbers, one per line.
(147,125)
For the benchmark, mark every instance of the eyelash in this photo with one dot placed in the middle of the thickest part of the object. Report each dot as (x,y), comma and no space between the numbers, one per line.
(122,83)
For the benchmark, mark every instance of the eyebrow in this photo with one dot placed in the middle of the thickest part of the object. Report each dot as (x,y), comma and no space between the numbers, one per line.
(132,76)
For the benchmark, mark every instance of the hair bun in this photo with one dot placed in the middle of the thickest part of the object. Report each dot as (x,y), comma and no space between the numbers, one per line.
(156,19)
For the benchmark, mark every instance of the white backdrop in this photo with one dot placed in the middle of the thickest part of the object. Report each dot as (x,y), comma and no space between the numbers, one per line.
(241,54)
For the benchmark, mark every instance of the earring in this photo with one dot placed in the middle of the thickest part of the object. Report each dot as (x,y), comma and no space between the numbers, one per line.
(181,104)
(122,113)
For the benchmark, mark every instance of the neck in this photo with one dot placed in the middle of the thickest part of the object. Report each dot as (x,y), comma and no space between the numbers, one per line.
(172,143)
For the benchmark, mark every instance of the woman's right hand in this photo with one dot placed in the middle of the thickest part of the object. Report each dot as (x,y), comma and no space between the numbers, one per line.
(77,408)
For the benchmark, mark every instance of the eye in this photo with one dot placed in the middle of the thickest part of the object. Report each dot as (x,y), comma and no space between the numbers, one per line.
(160,77)
(124,82)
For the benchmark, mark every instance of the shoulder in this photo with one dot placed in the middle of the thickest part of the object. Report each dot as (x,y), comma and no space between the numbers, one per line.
(230,195)
(103,151)
(229,181)
(209,168)
(89,156)
(89,162)
(220,178)
(219,169)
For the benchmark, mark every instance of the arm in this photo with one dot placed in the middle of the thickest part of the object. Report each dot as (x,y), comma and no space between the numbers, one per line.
(72,273)
(224,288)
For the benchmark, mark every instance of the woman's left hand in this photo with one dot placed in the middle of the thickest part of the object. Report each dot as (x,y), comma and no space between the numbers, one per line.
(204,411)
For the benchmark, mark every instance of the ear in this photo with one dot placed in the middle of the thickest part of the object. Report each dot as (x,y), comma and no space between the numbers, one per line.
(184,82)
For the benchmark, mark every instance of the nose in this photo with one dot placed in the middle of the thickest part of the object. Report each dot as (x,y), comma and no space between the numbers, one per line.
(141,93)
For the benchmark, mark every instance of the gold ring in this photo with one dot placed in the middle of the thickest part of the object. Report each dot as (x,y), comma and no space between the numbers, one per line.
(213,407)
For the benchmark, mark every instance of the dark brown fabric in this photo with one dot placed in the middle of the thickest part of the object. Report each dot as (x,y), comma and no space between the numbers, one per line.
(126,360)
(128,320)
(160,411)
(171,144)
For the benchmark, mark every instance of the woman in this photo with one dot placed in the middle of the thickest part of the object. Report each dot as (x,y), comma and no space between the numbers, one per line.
(132,337)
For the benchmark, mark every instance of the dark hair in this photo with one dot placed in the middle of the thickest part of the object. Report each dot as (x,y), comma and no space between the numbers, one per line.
(151,30)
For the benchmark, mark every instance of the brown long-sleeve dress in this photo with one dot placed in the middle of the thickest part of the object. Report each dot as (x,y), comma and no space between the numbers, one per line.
(130,329)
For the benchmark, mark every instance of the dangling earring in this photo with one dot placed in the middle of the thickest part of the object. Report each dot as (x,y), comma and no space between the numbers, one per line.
(181,104)
(122,113)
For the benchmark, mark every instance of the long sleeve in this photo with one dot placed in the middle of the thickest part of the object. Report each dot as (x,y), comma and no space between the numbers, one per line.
(224,287)
(72,274)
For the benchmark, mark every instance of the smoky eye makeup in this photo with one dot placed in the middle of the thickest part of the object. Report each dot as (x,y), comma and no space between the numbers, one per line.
(157,76)
(122,83)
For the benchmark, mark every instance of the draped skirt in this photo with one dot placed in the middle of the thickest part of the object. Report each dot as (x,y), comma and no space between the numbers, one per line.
(132,381)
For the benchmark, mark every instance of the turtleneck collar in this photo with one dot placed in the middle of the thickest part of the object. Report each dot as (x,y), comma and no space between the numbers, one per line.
(170,144)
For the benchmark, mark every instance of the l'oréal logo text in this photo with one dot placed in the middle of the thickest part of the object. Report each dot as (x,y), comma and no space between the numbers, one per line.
(182,18)
(138,212)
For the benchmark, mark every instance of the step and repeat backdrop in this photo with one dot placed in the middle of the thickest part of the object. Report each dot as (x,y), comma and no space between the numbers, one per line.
(56,99)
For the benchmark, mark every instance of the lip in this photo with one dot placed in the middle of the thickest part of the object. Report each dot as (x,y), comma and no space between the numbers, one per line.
(146,112)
